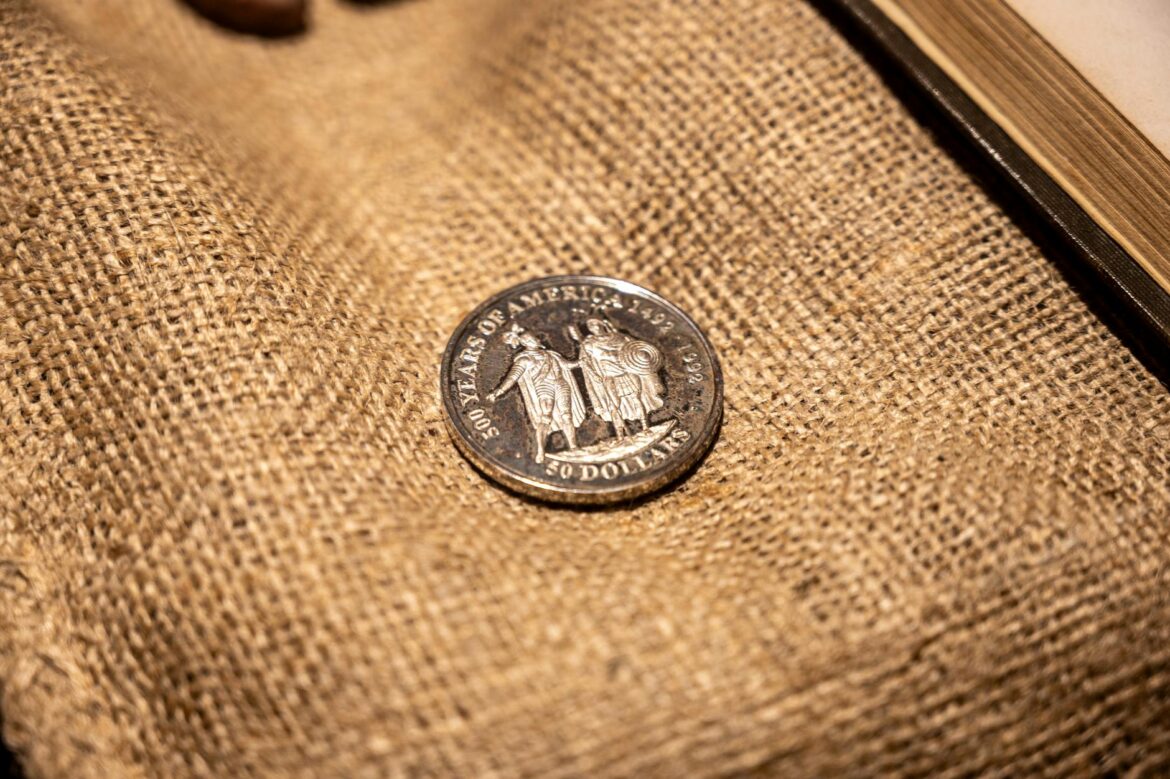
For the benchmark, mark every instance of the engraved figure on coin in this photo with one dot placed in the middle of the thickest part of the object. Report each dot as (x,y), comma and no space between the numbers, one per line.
(551,397)
(621,376)
(623,386)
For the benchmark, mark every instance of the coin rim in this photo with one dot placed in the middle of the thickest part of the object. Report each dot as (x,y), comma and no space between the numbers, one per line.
(575,495)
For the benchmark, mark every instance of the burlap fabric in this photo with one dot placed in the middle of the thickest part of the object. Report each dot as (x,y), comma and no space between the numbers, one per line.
(236,541)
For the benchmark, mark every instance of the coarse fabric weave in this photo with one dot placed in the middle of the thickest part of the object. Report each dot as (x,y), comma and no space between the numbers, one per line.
(235,540)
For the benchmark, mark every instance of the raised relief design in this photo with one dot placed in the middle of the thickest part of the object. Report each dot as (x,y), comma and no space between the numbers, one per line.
(551,397)
(621,379)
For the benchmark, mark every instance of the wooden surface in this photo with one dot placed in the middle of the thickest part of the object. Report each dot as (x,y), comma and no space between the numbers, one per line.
(1110,169)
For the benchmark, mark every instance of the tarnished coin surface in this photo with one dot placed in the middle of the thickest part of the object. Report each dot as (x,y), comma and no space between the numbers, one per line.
(581,389)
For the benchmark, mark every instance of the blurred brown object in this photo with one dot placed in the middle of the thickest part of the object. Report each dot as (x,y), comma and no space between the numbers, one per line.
(260,17)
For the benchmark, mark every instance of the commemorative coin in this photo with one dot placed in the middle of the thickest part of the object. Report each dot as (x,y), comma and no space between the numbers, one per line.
(581,389)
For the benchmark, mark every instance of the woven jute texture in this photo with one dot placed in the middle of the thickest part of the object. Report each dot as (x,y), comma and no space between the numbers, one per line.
(236,541)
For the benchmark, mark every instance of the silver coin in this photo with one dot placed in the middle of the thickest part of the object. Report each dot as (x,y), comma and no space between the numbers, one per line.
(581,389)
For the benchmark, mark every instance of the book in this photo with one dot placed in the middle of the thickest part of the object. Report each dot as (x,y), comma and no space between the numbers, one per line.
(1069,102)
